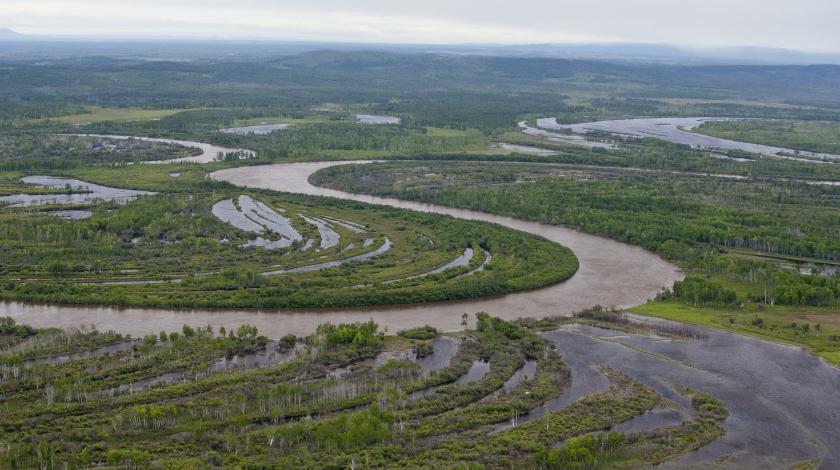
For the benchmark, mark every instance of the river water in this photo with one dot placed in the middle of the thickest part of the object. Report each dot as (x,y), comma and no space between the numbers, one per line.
(209,152)
(610,274)
(678,130)
(784,402)
(89,193)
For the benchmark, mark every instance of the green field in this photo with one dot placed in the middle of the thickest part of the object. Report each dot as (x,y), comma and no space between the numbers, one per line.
(100,114)
(815,329)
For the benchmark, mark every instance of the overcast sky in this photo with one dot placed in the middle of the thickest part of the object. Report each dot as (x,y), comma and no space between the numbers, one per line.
(804,24)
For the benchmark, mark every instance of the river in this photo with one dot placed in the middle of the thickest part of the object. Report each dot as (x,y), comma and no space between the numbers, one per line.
(678,130)
(209,152)
(783,401)
(611,274)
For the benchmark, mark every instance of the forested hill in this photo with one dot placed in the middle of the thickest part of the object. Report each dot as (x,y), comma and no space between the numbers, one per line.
(429,71)
(405,74)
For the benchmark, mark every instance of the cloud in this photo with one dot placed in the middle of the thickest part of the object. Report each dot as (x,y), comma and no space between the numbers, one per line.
(806,24)
(186,19)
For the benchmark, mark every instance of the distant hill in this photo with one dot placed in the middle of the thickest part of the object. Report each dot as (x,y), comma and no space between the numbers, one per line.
(53,46)
(9,35)
(648,53)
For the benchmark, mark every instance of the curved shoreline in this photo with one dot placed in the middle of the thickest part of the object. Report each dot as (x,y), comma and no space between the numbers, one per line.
(611,273)
(782,400)
(209,152)
(679,130)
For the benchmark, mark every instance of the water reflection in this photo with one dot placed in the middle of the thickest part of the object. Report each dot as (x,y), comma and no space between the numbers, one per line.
(260,129)
(85,193)
(678,130)
(376,120)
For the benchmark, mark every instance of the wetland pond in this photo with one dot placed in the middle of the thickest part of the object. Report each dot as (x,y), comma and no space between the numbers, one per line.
(783,402)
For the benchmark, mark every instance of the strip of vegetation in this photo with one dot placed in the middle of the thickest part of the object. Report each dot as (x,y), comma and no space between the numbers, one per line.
(812,136)
(302,413)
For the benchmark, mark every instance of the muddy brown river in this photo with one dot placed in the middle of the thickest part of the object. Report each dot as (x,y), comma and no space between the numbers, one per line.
(784,403)
(610,274)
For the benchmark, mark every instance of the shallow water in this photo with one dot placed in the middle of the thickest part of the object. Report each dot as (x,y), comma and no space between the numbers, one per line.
(488,258)
(677,130)
(373,119)
(403,355)
(526,372)
(168,378)
(586,380)
(329,237)
(443,350)
(93,193)
(252,360)
(268,218)
(819,269)
(228,213)
(477,371)
(255,360)
(254,216)
(56,360)
(783,402)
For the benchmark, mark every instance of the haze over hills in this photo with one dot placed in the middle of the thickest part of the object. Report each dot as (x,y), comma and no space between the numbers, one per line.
(43,46)
(7,34)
